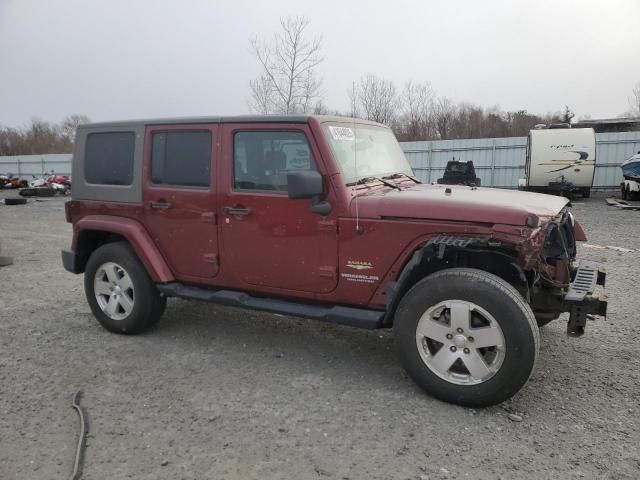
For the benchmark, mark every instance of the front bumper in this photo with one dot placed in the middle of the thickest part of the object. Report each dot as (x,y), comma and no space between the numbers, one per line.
(581,299)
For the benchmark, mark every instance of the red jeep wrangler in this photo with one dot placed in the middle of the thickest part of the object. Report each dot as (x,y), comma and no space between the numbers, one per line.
(322,217)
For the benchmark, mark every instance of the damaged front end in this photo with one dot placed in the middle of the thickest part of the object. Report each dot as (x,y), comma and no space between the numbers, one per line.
(559,283)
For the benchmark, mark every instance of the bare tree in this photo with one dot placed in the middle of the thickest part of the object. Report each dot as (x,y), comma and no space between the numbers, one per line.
(288,82)
(520,122)
(417,111)
(40,137)
(567,114)
(376,99)
(262,95)
(320,108)
(443,116)
(634,101)
(70,125)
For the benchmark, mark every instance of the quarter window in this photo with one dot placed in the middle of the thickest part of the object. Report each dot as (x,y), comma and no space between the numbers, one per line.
(262,160)
(108,158)
(181,158)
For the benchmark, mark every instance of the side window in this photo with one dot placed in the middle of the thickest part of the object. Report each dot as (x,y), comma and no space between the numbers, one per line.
(181,158)
(261,160)
(108,158)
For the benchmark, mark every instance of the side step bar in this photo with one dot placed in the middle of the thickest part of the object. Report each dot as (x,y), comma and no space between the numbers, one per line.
(353,317)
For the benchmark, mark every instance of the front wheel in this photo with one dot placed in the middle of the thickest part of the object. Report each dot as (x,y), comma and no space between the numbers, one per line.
(467,337)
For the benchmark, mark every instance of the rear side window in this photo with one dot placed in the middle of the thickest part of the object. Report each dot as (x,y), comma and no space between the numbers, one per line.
(108,158)
(181,158)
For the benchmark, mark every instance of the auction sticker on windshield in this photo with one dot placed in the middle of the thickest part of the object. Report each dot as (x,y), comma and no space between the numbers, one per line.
(341,133)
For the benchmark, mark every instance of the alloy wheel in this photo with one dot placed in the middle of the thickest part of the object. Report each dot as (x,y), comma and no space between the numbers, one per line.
(114,291)
(460,342)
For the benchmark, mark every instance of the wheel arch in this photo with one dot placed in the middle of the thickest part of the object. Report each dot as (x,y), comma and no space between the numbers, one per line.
(93,231)
(433,258)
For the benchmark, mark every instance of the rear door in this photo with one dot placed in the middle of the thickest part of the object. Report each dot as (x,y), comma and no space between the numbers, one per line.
(269,239)
(179,197)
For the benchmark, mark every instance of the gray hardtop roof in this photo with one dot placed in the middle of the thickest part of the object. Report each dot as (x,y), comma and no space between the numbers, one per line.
(229,119)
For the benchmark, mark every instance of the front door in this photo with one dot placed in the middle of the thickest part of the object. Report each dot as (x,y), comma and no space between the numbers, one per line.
(179,197)
(270,240)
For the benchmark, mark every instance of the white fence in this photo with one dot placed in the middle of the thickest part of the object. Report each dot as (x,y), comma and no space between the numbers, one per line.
(35,165)
(499,162)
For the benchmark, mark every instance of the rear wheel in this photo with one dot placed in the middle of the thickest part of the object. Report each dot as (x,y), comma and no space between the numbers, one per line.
(624,192)
(467,337)
(120,293)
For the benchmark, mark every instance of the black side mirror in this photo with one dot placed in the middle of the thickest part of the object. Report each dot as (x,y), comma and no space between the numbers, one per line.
(308,184)
(304,184)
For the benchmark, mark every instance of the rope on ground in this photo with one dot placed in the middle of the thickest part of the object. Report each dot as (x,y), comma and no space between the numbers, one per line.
(77,464)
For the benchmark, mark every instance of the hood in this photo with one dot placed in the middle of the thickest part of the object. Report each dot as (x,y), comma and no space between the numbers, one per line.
(463,204)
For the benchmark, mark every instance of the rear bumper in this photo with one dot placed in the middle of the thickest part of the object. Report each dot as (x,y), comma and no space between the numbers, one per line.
(582,300)
(72,262)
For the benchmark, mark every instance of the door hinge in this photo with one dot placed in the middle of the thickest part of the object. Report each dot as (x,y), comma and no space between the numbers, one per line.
(209,217)
(328,271)
(211,258)
(328,225)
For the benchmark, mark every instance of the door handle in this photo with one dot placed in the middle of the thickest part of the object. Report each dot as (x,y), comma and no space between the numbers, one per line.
(239,211)
(160,205)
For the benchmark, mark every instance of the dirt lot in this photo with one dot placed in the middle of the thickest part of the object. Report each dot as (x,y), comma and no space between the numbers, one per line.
(216,392)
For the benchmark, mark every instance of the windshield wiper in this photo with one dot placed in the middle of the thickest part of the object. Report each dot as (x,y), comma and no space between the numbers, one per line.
(400,175)
(364,180)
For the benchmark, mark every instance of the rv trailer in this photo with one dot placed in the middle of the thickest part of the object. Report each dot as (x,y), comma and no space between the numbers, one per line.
(560,161)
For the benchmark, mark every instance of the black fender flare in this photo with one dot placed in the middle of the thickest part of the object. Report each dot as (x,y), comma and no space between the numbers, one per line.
(395,290)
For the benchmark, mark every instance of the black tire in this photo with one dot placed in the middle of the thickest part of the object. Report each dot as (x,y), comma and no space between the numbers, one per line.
(28,192)
(543,318)
(497,298)
(586,193)
(15,201)
(624,193)
(148,303)
(45,192)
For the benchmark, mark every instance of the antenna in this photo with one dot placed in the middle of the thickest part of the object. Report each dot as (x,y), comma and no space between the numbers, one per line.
(359,229)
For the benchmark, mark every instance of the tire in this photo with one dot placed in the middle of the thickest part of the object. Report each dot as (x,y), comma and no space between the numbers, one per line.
(586,193)
(543,318)
(28,192)
(624,192)
(482,300)
(127,300)
(15,201)
(45,192)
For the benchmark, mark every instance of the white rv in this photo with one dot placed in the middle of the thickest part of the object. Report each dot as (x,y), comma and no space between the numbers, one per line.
(560,160)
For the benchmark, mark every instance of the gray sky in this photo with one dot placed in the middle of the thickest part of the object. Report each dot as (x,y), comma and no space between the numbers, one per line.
(116,59)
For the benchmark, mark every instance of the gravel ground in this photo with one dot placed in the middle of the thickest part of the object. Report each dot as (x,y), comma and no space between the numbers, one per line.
(216,392)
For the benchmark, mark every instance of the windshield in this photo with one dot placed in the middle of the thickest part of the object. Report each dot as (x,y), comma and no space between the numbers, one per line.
(373,150)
